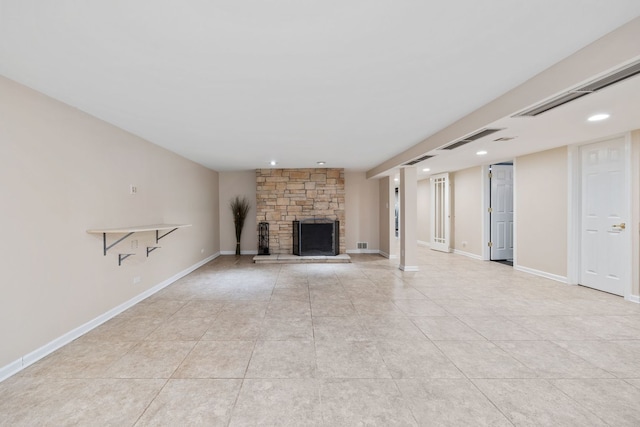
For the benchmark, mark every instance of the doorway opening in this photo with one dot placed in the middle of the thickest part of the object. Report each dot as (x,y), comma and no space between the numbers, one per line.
(501,213)
(397,212)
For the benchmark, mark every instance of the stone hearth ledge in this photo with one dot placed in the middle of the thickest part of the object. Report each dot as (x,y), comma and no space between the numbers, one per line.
(295,259)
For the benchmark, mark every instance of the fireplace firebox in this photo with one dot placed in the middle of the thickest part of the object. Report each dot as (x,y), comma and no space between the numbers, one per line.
(313,237)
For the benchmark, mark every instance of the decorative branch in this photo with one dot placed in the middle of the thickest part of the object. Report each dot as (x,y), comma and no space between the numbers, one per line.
(240,209)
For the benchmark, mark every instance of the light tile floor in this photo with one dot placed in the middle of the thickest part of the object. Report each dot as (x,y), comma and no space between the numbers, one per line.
(461,342)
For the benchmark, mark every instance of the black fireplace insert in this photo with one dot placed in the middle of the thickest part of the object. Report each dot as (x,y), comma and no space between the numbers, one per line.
(314,237)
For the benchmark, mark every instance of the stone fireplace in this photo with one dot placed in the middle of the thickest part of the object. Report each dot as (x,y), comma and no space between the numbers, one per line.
(287,195)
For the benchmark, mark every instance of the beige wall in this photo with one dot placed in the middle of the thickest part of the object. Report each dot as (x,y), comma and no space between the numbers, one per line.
(241,184)
(362,198)
(466,221)
(541,203)
(63,172)
(424,211)
(388,241)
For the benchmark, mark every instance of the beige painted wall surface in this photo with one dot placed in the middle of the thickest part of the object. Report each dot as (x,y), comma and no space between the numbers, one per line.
(466,224)
(424,211)
(541,203)
(388,241)
(362,198)
(63,172)
(241,184)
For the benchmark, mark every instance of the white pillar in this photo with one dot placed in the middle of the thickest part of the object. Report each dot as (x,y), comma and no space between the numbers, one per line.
(408,219)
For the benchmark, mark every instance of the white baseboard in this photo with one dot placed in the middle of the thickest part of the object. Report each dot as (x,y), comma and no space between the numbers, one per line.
(387,256)
(468,254)
(423,243)
(633,298)
(557,278)
(30,358)
(363,251)
(253,252)
(10,369)
(409,268)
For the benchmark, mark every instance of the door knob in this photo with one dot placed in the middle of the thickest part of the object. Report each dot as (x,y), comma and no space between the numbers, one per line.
(621,226)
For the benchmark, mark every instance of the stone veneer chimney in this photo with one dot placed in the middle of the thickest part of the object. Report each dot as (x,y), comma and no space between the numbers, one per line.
(287,195)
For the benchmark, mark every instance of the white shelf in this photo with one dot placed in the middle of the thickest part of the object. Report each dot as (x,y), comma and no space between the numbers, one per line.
(137,228)
(128,231)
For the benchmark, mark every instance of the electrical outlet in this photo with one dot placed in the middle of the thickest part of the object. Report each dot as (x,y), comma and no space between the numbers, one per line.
(137,280)
(133,189)
(202,250)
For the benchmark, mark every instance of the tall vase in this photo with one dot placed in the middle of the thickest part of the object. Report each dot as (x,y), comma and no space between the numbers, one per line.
(238,247)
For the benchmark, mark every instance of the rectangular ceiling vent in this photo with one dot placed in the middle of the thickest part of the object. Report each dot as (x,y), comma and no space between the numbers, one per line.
(467,139)
(594,86)
(418,160)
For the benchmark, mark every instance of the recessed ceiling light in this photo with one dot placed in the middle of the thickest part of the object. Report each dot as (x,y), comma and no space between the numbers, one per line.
(598,117)
(273,163)
(481,153)
(426,170)
(321,163)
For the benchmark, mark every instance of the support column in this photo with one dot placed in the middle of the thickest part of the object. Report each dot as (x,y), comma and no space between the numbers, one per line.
(408,219)
(388,245)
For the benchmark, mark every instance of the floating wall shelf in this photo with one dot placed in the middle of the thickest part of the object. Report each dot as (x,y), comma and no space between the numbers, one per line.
(128,231)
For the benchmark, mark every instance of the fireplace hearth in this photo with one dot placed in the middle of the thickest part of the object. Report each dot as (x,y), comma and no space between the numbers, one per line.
(313,237)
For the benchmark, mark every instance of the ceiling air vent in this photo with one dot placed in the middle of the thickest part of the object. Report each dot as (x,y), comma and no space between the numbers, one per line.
(467,139)
(418,160)
(594,86)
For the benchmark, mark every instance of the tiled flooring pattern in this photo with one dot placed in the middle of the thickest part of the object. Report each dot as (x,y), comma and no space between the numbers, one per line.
(459,343)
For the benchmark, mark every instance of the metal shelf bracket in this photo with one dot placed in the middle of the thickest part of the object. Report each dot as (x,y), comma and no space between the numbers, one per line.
(151,249)
(158,236)
(122,257)
(104,241)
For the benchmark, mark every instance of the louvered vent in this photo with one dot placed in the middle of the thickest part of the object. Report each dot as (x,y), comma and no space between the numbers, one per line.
(467,139)
(413,162)
(594,86)
(363,245)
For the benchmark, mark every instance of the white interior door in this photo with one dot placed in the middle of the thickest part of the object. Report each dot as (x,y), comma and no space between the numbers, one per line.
(604,237)
(440,213)
(502,212)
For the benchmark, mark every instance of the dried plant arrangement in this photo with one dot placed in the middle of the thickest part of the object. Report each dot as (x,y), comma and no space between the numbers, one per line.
(240,208)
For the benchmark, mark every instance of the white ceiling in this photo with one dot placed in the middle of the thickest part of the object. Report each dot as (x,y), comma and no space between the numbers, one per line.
(561,126)
(235,84)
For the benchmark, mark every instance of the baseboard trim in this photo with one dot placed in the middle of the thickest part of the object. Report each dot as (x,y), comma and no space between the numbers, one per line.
(409,267)
(252,252)
(11,369)
(387,256)
(30,358)
(363,251)
(467,254)
(633,298)
(423,243)
(557,278)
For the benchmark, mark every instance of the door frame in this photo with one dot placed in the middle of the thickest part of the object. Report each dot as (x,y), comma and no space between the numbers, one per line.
(486,217)
(574,213)
(447,213)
